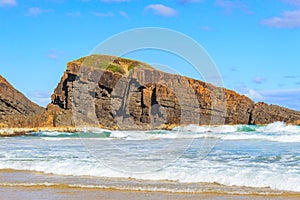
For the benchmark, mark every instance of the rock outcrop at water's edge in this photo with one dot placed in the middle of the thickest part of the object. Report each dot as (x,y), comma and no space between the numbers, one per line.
(118,93)
(265,114)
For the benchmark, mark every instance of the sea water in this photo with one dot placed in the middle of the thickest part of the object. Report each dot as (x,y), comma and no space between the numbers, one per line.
(184,159)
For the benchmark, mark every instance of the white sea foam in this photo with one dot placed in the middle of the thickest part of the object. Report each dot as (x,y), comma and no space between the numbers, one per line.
(230,164)
(209,172)
(52,134)
(93,129)
(280,127)
(276,132)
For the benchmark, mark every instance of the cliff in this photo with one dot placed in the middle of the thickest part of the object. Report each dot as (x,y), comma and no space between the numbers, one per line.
(15,109)
(119,93)
(264,114)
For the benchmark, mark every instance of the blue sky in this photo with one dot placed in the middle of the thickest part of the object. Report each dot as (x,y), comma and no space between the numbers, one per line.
(255,44)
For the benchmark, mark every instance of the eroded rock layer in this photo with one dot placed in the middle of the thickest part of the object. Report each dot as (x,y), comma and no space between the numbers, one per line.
(118,93)
(124,94)
(15,109)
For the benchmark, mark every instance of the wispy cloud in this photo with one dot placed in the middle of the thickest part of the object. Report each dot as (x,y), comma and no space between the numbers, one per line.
(291,76)
(73,14)
(57,1)
(124,14)
(189,1)
(8,3)
(110,14)
(230,6)
(35,11)
(162,10)
(115,1)
(285,97)
(254,95)
(101,14)
(292,2)
(40,97)
(54,54)
(233,69)
(206,28)
(287,19)
(258,80)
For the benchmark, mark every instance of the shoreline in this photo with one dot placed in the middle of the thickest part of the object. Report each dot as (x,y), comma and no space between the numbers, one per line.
(11,132)
(15,131)
(53,192)
(32,180)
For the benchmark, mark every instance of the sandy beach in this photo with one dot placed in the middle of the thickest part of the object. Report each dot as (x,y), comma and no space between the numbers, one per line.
(34,185)
(92,165)
(48,193)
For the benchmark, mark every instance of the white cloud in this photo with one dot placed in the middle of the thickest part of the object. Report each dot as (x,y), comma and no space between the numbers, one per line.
(115,1)
(293,2)
(206,28)
(285,97)
(230,6)
(8,3)
(35,11)
(283,91)
(54,54)
(101,14)
(254,95)
(124,14)
(289,98)
(292,76)
(40,97)
(189,1)
(287,19)
(162,10)
(258,80)
(73,14)
(57,1)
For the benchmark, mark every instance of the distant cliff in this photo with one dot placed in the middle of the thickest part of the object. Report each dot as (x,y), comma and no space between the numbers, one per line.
(125,94)
(15,109)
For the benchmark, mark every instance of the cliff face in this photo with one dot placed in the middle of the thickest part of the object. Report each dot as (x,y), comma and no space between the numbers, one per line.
(125,94)
(264,114)
(118,93)
(15,109)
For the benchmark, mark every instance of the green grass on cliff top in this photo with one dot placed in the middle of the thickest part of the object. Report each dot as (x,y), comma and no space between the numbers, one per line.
(111,63)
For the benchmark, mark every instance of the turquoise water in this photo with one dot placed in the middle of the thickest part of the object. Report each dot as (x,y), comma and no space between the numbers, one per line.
(246,156)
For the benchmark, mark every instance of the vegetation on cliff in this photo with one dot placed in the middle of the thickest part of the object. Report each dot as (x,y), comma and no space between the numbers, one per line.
(111,63)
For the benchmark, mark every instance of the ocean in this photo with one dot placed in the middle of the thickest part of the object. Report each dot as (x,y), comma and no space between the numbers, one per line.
(238,159)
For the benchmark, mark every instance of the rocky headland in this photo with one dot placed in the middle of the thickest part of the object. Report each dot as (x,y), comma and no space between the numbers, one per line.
(117,93)
(15,109)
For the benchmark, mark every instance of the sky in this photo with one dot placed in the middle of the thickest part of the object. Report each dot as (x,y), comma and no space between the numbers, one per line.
(254,44)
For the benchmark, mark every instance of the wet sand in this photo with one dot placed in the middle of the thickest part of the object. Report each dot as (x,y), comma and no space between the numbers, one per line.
(21,184)
(59,193)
